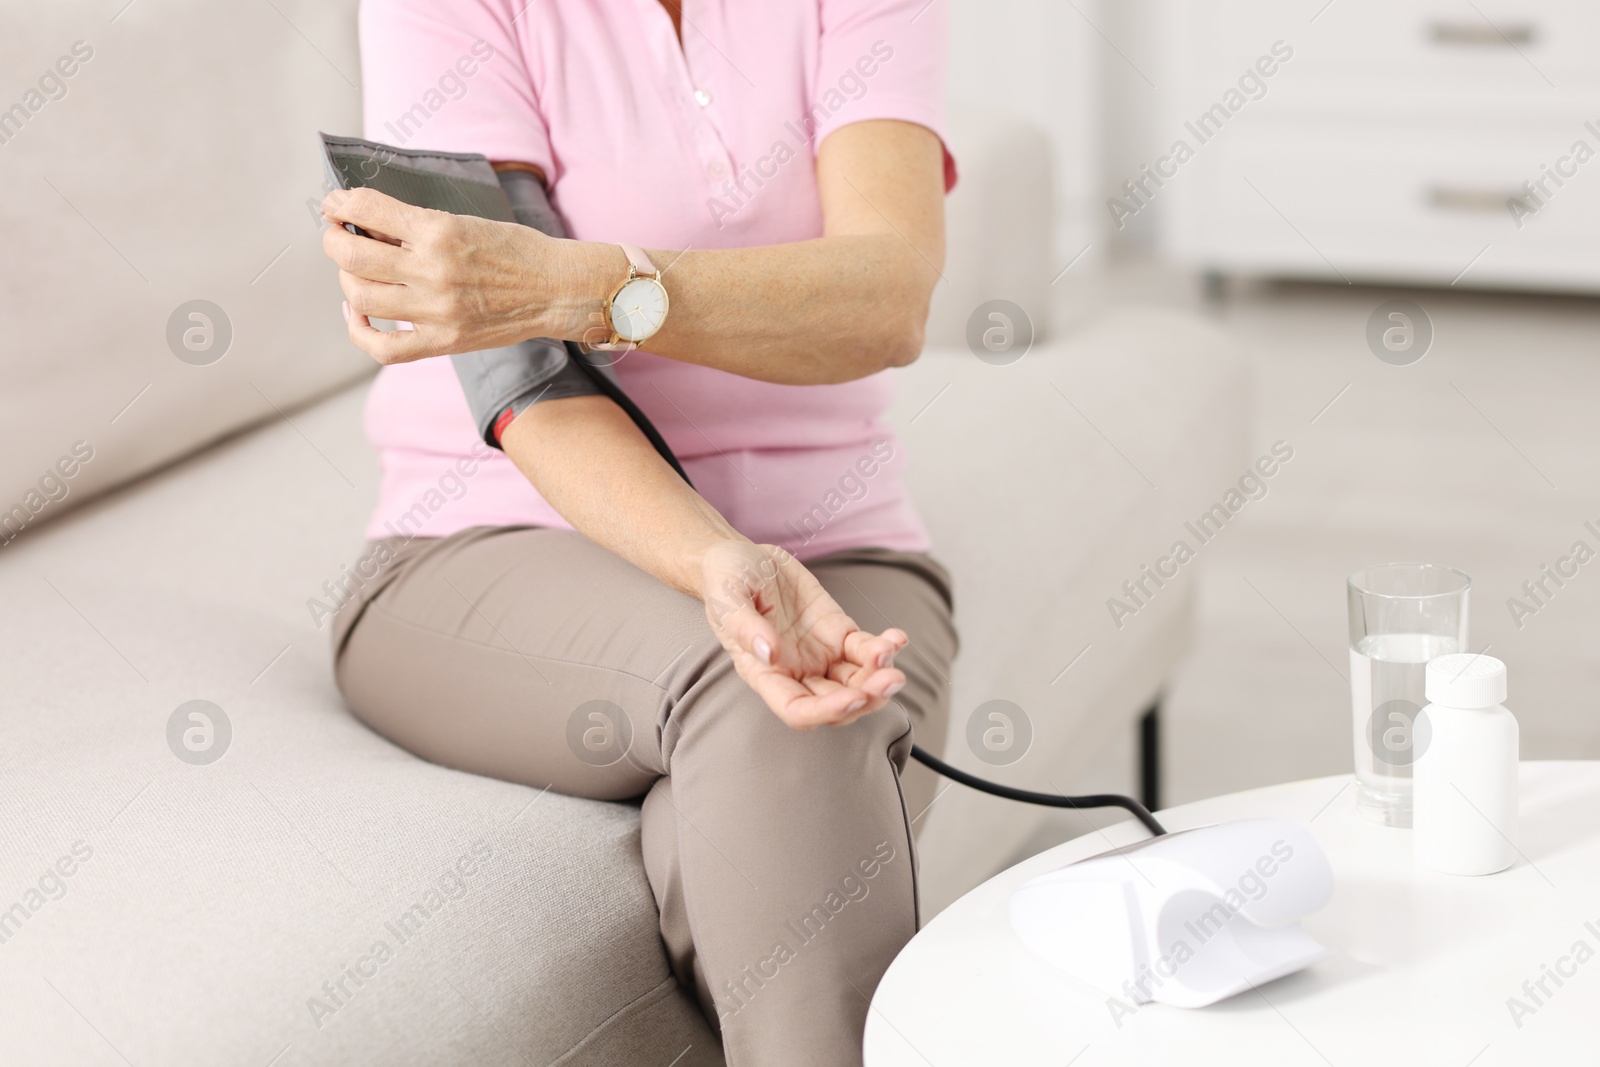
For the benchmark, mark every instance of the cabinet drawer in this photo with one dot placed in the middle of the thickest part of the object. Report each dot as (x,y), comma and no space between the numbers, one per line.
(1393,199)
(1385,46)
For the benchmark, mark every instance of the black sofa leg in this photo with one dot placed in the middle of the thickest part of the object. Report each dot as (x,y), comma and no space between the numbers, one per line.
(1150,757)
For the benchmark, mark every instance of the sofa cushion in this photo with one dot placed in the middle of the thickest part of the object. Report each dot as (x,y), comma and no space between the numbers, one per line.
(178,162)
(315,894)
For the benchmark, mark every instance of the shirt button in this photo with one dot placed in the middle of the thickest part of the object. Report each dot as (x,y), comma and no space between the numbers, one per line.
(702,97)
(716,170)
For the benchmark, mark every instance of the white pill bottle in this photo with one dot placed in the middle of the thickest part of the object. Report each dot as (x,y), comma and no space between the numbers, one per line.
(1464,780)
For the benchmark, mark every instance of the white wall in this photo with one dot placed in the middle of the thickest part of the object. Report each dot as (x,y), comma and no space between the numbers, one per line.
(1039,59)
(1130,106)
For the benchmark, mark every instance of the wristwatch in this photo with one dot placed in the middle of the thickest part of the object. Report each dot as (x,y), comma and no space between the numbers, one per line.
(637,307)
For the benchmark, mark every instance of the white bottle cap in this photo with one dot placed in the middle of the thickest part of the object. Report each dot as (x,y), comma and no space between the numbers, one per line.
(1465,680)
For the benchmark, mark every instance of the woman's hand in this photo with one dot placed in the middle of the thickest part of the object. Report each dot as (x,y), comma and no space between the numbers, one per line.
(792,642)
(461,282)
(788,639)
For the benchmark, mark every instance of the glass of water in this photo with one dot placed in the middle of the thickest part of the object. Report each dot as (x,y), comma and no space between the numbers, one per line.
(1401,616)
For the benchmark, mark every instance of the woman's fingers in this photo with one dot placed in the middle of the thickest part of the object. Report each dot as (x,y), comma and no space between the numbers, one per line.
(381,300)
(874,681)
(791,643)
(805,703)
(831,709)
(363,256)
(467,282)
(740,623)
(860,709)
(378,213)
(803,706)
(391,346)
(874,650)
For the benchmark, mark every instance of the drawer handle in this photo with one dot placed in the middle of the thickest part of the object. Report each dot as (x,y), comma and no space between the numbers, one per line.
(1481,35)
(1478,201)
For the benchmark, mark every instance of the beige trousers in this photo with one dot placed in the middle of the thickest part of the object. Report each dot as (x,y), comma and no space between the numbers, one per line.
(782,862)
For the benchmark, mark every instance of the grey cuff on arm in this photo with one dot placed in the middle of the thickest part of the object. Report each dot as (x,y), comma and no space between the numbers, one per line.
(521,375)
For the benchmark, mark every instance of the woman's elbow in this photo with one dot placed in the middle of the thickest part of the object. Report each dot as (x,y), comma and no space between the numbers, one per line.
(892,335)
(904,333)
(903,349)
(869,353)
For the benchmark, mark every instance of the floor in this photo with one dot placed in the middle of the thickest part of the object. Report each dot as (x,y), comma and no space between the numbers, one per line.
(1484,454)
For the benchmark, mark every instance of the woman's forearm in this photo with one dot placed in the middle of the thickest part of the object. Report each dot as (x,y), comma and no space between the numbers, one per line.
(787,638)
(827,310)
(832,309)
(588,460)
(841,306)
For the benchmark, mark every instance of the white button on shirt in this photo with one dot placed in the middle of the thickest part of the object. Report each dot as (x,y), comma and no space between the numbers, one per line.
(702,97)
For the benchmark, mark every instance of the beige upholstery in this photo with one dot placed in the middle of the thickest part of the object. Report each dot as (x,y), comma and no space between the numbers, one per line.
(216,900)
(176,167)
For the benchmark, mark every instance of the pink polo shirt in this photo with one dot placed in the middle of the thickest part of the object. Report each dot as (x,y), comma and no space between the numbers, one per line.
(706,145)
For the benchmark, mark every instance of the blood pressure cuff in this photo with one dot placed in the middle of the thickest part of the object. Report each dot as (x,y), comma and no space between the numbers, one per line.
(494,380)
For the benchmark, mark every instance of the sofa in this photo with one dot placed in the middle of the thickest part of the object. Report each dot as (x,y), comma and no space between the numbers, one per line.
(203,857)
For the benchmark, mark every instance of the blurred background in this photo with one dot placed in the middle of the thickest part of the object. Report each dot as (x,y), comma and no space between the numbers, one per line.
(1318,275)
(1441,153)
(1268,174)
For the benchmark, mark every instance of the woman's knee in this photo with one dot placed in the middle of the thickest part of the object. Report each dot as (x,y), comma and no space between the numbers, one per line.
(710,706)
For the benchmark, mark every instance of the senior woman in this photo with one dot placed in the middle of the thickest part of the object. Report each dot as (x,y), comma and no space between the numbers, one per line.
(770,177)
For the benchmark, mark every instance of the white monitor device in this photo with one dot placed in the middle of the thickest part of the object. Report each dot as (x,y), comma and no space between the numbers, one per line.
(1186,919)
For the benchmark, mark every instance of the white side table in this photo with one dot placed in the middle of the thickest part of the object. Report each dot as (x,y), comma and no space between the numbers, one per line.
(1426,966)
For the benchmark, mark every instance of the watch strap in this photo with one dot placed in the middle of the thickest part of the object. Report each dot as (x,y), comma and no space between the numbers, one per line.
(641,262)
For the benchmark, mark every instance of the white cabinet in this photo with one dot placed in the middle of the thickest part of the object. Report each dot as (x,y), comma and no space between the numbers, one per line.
(1420,141)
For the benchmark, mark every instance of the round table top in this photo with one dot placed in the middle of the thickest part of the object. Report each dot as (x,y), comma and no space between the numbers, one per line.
(1429,968)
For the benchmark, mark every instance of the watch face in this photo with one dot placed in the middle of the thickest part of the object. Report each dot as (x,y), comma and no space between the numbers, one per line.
(639,309)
